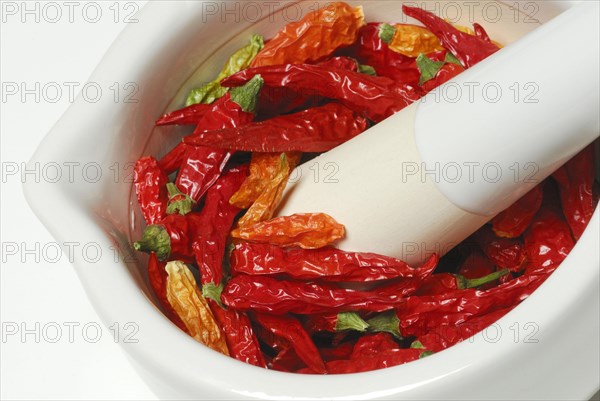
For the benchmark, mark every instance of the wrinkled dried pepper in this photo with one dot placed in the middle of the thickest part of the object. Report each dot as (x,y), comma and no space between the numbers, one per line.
(409,40)
(264,206)
(171,238)
(329,264)
(292,331)
(375,97)
(157,276)
(548,241)
(446,336)
(335,322)
(506,253)
(576,181)
(371,50)
(268,295)
(318,129)
(263,169)
(201,165)
(467,48)
(185,298)
(214,223)
(239,335)
(314,37)
(238,61)
(150,183)
(513,221)
(443,283)
(305,230)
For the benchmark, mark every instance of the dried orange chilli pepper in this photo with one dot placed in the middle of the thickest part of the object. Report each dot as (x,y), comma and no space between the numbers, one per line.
(265,205)
(410,40)
(191,307)
(306,230)
(263,169)
(314,37)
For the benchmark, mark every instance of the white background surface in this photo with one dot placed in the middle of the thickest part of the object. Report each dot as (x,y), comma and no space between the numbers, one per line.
(36,288)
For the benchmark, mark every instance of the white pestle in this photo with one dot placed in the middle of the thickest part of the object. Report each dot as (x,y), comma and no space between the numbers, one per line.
(427,177)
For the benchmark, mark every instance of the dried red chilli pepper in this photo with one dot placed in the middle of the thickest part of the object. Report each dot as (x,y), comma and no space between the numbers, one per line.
(157,276)
(576,182)
(513,222)
(445,336)
(443,283)
(506,253)
(314,37)
(173,159)
(481,33)
(373,362)
(239,335)
(373,344)
(421,314)
(190,115)
(467,48)
(305,230)
(548,241)
(214,223)
(477,264)
(372,50)
(327,264)
(287,360)
(292,331)
(280,100)
(335,322)
(150,183)
(318,129)
(171,238)
(202,166)
(267,295)
(445,74)
(375,97)
(340,351)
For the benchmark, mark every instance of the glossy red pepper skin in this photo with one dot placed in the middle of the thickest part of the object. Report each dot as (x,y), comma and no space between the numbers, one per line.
(214,223)
(445,74)
(421,314)
(513,222)
(190,115)
(340,351)
(274,101)
(173,159)
(445,336)
(181,231)
(268,295)
(446,283)
(318,129)
(292,331)
(467,48)
(506,253)
(202,166)
(373,51)
(548,241)
(150,183)
(375,97)
(327,264)
(287,360)
(576,182)
(373,344)
(241,340)
(477,264)
(378,361)
(157,276)
(481,33)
